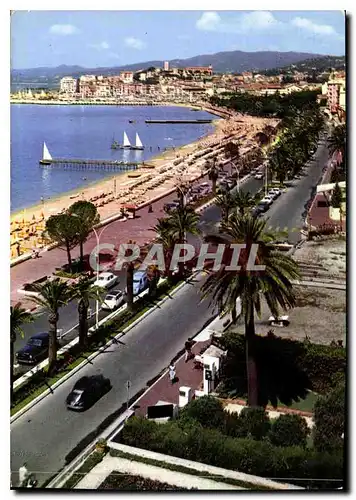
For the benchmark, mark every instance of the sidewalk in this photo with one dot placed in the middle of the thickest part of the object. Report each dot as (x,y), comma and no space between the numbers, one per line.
(100,472)
(164,390)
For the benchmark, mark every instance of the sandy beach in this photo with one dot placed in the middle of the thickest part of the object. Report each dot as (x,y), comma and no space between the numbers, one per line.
(156,177)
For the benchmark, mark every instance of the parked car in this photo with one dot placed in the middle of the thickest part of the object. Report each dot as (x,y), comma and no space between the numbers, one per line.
(267,199)
(257,211)
(86,391)
(35,350)
(272,194)
(113,300)
(106,280)
(263,207)
(140,282)
(258,176)
(277,191)
(170,206)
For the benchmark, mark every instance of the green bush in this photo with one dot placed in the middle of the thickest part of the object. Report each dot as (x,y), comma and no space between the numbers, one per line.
(207,410)
(254,422)
(289,430)
(244,455)
(329,418)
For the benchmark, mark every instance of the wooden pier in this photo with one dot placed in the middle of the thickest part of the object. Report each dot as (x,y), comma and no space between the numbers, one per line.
(195,122)
(81,164)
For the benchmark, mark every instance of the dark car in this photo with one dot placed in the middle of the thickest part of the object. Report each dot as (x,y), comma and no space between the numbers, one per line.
(35,350)
(257,211)
(263,207)
(87,391)
(167,207)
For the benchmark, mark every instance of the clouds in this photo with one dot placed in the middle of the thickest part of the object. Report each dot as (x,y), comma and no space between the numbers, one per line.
(316,29)
(134,43)
(260,22)
(209,21)
(100,46)
(63,29)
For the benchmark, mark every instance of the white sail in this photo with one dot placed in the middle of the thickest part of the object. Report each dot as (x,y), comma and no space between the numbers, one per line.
(138,141)
(46,154)
(126,140)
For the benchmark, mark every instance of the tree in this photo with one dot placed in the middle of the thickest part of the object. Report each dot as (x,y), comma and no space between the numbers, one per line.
(213,174)
(232,151)
(225,201)
(274,283)
(167,239)
(18,317)
(337,141)
(289,430)
(336,199)
(243,201)
(52,296)
(329,418)
(87,217)
(181,221)
(207,410)
(64,229)
(84,292)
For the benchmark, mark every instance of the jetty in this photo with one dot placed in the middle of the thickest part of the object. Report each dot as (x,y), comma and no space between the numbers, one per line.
(78,163)
(196,122)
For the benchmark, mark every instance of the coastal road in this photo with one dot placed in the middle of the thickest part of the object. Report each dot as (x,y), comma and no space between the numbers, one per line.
(285,213)
(48,432)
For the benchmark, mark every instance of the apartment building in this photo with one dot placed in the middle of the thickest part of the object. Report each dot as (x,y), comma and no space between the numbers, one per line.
(335,92)
(127,76)
(68,85)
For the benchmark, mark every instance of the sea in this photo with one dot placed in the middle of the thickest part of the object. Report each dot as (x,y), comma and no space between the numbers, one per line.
(87,132)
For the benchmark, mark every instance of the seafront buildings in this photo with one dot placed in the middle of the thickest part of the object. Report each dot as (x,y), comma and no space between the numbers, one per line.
(188,85)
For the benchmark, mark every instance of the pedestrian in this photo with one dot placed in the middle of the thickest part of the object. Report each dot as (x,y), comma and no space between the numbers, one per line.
(23,475)
(172,372)
(188,349)
(150,208)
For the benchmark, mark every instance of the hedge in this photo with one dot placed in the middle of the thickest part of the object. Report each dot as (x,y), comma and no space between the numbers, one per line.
(287,369)
(289,430)
(329,418)
(212,447)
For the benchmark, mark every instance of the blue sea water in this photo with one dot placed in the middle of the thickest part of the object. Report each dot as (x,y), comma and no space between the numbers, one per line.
(86,132)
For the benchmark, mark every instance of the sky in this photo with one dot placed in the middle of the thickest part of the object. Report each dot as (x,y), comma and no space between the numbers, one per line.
(113,38)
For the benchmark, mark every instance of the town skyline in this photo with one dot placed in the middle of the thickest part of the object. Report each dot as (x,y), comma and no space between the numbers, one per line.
(123,38)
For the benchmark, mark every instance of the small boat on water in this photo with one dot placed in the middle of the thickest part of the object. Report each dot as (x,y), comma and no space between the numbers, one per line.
(132,121)
(114,144)
(126,144)
(138,146)
(46,157)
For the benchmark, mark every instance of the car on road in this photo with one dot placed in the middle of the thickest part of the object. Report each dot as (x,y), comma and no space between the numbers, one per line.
(35,350)
(87,391)
(276,191)
(257,211)
(106,280)
(113,300)
(263,207)
(258,176)
(140,282)
(267,199)
(274,195)
(167,207)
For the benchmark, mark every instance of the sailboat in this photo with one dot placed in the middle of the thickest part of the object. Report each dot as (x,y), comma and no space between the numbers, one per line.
(114,144)
(126,144)
(138,145)
(46,157)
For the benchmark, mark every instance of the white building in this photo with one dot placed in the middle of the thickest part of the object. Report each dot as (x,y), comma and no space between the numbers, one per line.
(166,66)
(68,85)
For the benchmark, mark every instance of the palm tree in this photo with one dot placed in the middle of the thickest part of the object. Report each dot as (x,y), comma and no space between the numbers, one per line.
(225,201)
(52,296)
(274,283)
(167,239)
(181,221)
(18,317)
(243,201)
(337,141)
(213,174)
(84,292)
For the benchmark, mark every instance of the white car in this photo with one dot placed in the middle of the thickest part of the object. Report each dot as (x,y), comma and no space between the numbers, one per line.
(273,194)
(276,191)
(113,300)
(267,199)
(106,280)
(258,176)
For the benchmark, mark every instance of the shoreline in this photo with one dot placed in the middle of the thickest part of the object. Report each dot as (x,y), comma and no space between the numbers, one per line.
(101,184)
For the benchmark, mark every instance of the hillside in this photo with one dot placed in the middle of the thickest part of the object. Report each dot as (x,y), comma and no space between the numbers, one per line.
(310,65)
(233,61)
